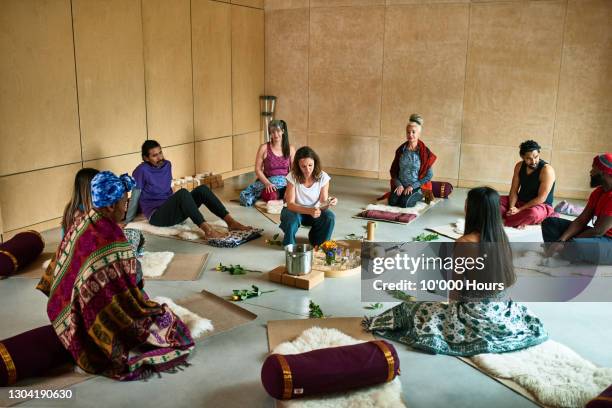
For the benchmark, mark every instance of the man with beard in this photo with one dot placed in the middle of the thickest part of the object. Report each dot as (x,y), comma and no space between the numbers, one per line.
(531,194)
(153,196)
(589,244)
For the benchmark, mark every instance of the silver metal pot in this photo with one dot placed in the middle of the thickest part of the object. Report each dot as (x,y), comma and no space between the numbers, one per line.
(298,259)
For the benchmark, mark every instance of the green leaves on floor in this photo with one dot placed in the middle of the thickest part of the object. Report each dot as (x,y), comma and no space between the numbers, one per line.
(242,294)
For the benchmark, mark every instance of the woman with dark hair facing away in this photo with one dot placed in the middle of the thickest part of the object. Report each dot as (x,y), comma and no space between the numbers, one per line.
(474,321)
(411,171)
(80,203)
(272,164)
(308,199)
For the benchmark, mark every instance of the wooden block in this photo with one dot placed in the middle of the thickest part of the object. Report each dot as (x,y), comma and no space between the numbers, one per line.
(276,274)
(307,282)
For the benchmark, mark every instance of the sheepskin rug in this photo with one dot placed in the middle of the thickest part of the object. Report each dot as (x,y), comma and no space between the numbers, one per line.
(197,324)
(183,231)
(556,375)
(154,264)
(388,395)
(418,209)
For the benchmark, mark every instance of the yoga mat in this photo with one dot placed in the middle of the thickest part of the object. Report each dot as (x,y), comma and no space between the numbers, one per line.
(34,270)
(224,314)
(280,331)
(423,211)
(508,383)
(531,233)
(58,379)
(275,218)
(184,267)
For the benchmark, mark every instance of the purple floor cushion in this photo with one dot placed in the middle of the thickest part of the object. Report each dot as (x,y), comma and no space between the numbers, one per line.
(328,370)
(19,251)
(604,400)
(31,354)
(387,216)
(441,189)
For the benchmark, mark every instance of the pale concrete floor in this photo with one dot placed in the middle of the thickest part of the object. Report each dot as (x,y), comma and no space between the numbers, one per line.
(225,368)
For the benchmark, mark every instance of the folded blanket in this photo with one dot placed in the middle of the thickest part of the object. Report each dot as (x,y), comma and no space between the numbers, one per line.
(387,216)
(568,208)
(31,354)
(235,238)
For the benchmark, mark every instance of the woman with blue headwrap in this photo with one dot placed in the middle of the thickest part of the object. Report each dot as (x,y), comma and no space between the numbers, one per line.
(96,304)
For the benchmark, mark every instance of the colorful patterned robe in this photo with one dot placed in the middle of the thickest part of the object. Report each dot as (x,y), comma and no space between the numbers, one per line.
(460,328)
(98,311)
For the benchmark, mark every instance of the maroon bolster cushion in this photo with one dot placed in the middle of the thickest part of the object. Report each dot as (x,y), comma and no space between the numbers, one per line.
(31,354)
(604,400)
(441,189)
(387,216)
(328,370)
(19,251)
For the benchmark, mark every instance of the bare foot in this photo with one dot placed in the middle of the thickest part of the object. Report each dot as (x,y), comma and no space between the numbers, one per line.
(215,234)
(210,232)
(521,227)
(236,226)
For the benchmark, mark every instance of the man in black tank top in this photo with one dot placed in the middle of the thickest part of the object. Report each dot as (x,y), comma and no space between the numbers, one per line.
(531,194)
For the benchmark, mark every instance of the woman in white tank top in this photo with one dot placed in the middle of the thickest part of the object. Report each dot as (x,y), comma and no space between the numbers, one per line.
(308,199)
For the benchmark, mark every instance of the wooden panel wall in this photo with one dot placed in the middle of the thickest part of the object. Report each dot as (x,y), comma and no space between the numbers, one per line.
(485,74)
(90,80)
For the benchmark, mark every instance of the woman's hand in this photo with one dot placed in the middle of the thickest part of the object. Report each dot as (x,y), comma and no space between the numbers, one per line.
(408,190)
(398,190)
(553,249)
(315,212)
(270,187)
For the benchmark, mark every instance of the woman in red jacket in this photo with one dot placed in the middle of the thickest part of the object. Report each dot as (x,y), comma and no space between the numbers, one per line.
(411,171)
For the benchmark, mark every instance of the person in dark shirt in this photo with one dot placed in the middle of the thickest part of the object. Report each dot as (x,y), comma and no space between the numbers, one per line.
(531,194)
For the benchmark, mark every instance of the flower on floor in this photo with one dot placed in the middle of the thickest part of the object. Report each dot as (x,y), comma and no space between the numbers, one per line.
(274,241)
(242,294)
(330,249)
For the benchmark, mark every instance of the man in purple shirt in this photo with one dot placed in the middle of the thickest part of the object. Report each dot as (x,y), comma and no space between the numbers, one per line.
(153,194)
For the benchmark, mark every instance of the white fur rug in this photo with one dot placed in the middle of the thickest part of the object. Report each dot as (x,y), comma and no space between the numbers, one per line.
(155,263)
(388,395)
(197,324)
(453,230)
(418,209)
(182,231)
(556,375)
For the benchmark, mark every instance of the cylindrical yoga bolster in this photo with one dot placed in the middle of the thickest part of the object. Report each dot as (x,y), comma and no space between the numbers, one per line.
(329,370)
(19,251)
(441,189)
(604,400)
(31,354)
